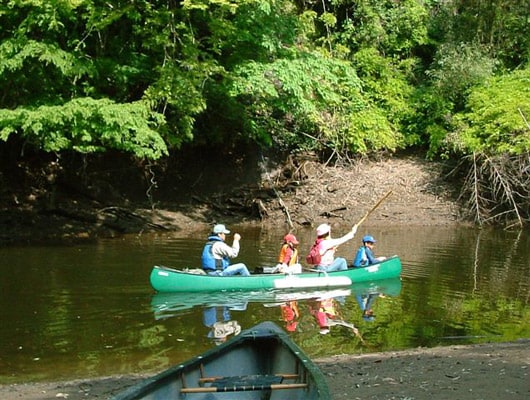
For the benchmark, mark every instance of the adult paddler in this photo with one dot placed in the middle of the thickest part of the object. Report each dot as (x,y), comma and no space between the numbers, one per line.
(216,254)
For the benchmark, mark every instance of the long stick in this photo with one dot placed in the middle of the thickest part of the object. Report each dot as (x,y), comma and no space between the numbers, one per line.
(374,207)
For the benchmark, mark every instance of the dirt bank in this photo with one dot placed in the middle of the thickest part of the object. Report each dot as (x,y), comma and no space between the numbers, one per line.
(297,193)
(485,371)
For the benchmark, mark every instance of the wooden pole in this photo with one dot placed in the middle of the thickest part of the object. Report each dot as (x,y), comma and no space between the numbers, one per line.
(374,208)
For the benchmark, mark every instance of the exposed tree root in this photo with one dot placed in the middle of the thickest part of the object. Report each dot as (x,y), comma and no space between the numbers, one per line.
(497,189)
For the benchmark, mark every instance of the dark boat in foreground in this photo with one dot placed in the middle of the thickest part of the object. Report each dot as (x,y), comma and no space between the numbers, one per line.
(260,363)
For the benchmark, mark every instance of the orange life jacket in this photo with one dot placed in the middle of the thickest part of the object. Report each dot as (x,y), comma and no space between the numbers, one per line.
(283,253)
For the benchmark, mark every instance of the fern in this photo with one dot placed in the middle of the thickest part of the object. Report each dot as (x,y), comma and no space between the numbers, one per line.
(14,53)
(87,125)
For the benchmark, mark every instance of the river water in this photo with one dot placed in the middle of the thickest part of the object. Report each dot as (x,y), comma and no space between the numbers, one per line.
(79,311)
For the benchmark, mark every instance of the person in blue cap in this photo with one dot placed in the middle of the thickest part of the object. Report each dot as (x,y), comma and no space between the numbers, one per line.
(365,255)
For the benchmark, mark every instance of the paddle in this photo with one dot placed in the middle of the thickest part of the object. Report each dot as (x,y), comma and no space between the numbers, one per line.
(347,325)
(374,208)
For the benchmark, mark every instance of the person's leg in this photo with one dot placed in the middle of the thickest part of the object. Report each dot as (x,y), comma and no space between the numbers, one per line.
(339,264)
(236,269)
(295,269)
(371,299)
(361,300)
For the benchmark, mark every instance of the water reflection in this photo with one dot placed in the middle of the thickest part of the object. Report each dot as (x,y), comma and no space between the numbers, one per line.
(366,304)
(85,311)
(323,305)
(290,314)
(218,320)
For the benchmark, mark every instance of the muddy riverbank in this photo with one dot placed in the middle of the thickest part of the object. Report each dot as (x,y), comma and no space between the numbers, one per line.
(296,193)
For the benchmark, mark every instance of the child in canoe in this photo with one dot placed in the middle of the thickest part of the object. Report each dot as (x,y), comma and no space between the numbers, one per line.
(288,257)
(365,255)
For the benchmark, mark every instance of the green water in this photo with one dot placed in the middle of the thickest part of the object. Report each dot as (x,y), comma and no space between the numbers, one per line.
(88,310)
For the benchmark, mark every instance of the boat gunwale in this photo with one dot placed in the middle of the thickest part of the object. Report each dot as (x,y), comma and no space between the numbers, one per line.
(312,272)
(264,330)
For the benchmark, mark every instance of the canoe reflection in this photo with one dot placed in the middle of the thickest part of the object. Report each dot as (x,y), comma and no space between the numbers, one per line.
(321,306)
(166,305)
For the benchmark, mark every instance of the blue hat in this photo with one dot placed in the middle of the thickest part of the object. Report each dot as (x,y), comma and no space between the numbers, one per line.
(368,238)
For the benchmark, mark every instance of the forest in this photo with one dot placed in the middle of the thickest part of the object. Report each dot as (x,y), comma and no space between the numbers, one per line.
(341,78)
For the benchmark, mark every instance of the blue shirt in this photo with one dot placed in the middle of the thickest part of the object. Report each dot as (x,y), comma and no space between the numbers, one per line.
(364,257)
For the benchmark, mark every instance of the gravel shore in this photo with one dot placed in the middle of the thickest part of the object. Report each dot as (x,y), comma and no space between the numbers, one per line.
(463,372)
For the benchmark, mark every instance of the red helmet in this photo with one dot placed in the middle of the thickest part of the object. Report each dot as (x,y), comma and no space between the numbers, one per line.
(290,238)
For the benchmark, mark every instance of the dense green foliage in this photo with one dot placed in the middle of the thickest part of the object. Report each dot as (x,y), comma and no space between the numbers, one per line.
(352,76)
(87,125)
(344,76)
(496,119)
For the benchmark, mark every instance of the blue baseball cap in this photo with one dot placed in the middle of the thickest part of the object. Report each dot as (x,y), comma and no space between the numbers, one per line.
(368,238)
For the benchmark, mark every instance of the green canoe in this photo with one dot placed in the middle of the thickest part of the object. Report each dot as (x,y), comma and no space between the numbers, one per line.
(164,279)
(260,363)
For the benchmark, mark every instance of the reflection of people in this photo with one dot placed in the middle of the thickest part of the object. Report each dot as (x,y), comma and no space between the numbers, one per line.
(216,254)
(326,314)
(365,255)
(288,257)
(323,310)
(327,247)
(219,321)
(290,314)
(366,302)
